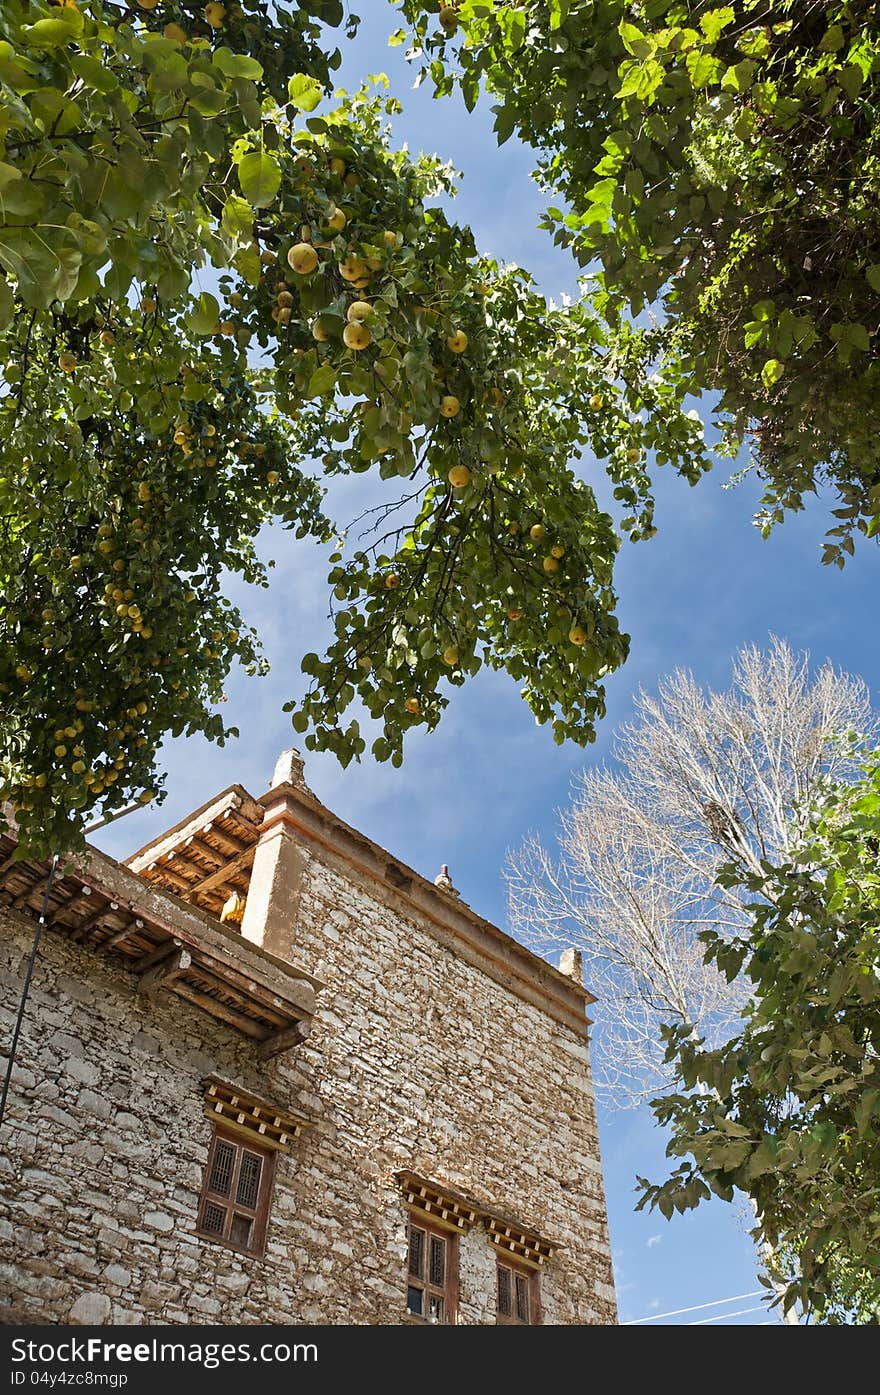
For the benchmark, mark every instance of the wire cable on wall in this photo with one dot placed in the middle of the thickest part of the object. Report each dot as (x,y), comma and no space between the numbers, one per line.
(32,959)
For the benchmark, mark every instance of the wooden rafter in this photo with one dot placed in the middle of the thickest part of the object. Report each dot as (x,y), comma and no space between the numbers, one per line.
(225,872)
(83,930)
(438,1204)
(131,927)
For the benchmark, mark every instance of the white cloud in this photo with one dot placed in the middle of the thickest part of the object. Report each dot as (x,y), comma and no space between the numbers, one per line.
(652,1241)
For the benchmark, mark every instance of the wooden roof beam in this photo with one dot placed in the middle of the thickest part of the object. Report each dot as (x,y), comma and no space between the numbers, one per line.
(222,874)
(81,931)
(243,1024)
(129,928)
(163,974)
(234,802)
(287,1040)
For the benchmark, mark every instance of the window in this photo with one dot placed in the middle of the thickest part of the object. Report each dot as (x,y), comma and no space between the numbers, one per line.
(432,1273)
(518,1295)
(234,1205)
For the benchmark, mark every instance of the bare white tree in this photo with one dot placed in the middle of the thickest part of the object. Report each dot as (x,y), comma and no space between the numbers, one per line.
(704,778)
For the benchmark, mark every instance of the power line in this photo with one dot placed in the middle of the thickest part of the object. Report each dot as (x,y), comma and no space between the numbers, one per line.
(716,1303)
(722,1317)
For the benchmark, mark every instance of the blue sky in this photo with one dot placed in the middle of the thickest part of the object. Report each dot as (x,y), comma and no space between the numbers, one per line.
(704,586)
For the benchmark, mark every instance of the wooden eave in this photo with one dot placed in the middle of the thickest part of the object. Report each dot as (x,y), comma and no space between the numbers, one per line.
(250,1116)
(519,1242)
(436,1204)
(440,1205)
(171,945)
(208,855)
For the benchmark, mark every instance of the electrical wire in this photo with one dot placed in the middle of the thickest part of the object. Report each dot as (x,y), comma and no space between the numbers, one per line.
(722,1317)
(697,1307)
(41,922)
(26,989)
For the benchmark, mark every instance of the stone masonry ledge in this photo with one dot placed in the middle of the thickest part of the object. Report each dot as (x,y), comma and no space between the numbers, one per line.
(170,944)
(451,921)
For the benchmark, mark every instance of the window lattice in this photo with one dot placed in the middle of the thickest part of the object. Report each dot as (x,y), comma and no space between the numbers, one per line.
(437,1272)
(504,1303)
(221,1172)
(236,1192)
(432,1288)
(213,1218)
(416,1252)
(248,1189)
(522,1298)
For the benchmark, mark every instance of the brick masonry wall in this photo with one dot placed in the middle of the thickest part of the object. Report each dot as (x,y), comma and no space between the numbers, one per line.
(416,1060)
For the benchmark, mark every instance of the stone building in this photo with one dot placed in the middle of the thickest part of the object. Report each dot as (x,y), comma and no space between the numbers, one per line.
(361,1104)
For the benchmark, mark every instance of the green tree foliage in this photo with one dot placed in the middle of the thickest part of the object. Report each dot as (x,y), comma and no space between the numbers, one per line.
(206,286)
(720,162)
(788,1112)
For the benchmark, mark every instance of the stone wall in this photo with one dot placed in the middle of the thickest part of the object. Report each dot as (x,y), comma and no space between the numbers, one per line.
(417,1060)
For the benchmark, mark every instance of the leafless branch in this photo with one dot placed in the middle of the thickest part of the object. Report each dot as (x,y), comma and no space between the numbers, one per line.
(703,779)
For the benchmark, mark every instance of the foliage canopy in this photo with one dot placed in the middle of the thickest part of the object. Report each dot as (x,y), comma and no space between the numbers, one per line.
(788,1111)
(720,163)
(206,287)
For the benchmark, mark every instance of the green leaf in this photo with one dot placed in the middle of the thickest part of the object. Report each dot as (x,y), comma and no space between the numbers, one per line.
(873,276)
(6,302)
(303,92)
(832,40)
(635,41)
(237,65)
(772,372)
(93,73)
(247,263)
(512,23)
(851,79)
(202,318)
(739,77)
(322,381)
(21,199)
(259,175)
(850,338)
(238,218)
(714,21)
(61,29)
(702,68)
(640,79)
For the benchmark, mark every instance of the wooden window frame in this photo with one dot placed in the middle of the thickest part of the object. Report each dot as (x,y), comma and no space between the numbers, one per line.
(448,1293)
(531,1278)
(258,1214)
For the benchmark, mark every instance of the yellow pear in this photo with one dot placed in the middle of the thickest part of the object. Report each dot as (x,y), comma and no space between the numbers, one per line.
(302,258)
(356,336)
